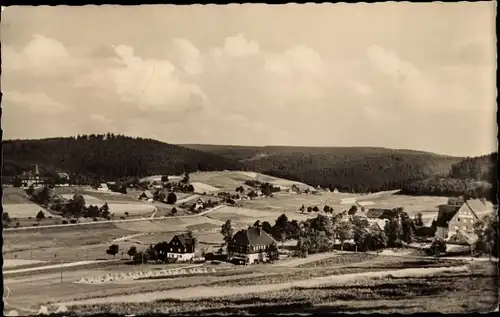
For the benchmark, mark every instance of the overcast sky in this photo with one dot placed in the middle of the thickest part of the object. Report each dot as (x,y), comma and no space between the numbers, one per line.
(398,75)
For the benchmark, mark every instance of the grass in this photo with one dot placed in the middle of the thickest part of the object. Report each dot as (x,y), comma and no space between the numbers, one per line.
(341,259)
(446,293)
(249,216)
(282,201)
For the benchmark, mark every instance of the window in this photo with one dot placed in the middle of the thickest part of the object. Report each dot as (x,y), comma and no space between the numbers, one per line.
(171,249)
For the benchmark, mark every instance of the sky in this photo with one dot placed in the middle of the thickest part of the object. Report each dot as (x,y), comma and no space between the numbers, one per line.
(398,75)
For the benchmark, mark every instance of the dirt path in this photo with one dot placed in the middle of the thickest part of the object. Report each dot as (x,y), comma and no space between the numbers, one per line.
(10,263)
(208,292)
(311,258)
(54,266)
(186,199)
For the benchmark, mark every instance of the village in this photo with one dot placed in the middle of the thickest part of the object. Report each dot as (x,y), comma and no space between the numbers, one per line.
(461,227)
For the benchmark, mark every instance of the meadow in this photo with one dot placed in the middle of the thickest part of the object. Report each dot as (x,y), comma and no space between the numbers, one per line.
(339,281)
(426,205)
(314,288)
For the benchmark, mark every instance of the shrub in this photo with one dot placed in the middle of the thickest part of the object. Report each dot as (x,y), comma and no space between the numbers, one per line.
(65,222)
(72,221)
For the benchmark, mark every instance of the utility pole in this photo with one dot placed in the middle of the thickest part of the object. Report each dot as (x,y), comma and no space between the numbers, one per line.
(142,262)
(31,259)
(61,272)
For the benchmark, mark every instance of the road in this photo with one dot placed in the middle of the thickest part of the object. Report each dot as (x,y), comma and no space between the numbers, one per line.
(55,266)
(113,221)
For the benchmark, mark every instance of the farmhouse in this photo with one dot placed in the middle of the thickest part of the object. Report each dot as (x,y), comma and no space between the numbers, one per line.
(147,195)
(103,187)
(452,218)
(249,246)
(379,213)
(200,204)
(294,190)
(378,224)
(182,247)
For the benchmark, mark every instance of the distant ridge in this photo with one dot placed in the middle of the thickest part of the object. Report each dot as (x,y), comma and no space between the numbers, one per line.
(359,169)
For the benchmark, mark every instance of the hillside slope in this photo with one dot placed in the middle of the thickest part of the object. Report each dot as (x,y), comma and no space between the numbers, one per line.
(473,176)
(347,168)
(108,156)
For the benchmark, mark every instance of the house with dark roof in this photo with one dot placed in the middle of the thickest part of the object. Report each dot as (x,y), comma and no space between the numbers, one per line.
(379,213)
(452,218)
(182,247)
(146,195)
(249,246)
(294,189)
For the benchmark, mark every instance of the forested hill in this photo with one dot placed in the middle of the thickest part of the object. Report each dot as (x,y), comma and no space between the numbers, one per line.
(108,156)
(360,169)
(480,168)
(476,177)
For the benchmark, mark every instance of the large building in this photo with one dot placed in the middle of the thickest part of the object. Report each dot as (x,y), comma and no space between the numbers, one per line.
(182,247)
(249,246)
(455,217)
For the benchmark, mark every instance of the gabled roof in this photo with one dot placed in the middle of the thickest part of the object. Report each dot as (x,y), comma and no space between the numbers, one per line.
(252,236)
(185,239)
(463,238)
(445,216)
(478,206)
(428,222)
(374,213)
(147,193)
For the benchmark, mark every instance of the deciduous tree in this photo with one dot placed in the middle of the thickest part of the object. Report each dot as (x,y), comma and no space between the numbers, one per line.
(113,250)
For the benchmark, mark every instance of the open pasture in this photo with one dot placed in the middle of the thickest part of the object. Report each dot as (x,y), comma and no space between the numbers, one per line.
(306,279)
(427,205)
(96,198)
(24,210)
(170,224)
(14,195)
(246,216)
(407,294)
(140,209)
(230,180)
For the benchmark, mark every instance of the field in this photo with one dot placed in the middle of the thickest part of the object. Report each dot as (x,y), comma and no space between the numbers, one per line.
(292,203)
(21,210)
(246,216)
(335,281)
(380,283)
(230,180)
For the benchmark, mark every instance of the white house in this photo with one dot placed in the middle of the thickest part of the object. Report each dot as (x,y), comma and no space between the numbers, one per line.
(182,247)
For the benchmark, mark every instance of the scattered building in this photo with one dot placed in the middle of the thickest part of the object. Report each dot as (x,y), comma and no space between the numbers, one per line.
(378,224)
(146,195)
(294,189)
(336,191)
(103,187)
(379,213)
(249,246)
(63,176)
(199,204)
(454,217)
(182,247)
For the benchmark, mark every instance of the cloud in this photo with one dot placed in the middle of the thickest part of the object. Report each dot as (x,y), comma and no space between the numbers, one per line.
(151,84)
(245,91)
(42,56)
(37,102)
(390,64)
(189,56)
(237,46)
(360,88)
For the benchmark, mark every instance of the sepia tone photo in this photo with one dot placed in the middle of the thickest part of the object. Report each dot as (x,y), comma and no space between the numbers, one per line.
(249,159)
